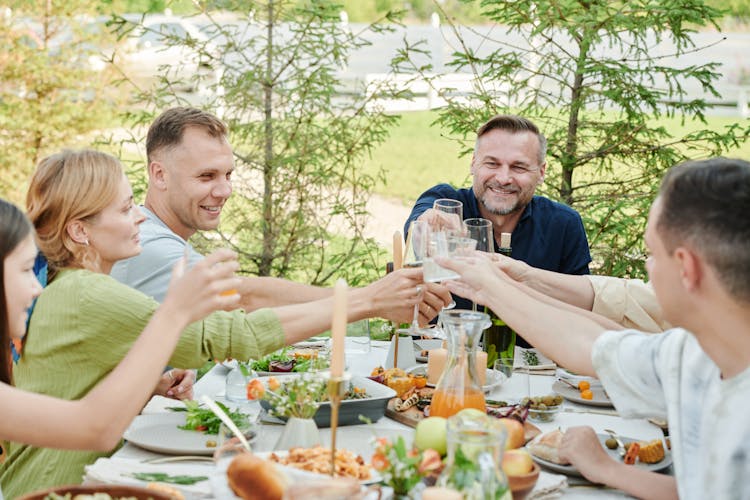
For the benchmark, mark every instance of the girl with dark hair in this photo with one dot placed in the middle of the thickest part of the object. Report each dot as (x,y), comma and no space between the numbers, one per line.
(96,421)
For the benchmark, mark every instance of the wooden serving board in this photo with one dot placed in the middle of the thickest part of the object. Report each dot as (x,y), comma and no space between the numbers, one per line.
(413,415)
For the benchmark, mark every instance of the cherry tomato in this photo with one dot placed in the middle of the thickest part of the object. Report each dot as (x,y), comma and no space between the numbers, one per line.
(587,394)
(583,385)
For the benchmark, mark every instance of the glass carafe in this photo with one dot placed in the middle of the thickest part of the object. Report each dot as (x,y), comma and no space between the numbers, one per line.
(459,386)
(475,451)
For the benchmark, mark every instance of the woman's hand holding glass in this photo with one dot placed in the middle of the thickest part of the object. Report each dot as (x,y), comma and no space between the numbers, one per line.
(196,292)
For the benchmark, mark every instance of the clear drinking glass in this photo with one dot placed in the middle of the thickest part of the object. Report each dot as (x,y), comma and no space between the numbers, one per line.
(227,443)
(451,215)
(236,384)
(504,366)
(481,230)
(448,245)
(357,340)
(415,252)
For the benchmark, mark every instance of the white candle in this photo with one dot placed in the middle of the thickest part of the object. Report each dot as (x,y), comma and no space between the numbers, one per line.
(338,329)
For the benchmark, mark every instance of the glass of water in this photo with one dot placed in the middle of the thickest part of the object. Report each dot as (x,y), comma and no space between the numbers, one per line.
(357,339)
(236,383)
(504,366)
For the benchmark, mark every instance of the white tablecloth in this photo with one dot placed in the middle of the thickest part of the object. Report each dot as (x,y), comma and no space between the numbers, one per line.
(357,438)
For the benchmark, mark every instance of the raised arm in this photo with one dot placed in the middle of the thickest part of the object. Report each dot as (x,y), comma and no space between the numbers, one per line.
(98,420)
(258,292)
(537,320)
(572,289)
(392,297)
(630,303)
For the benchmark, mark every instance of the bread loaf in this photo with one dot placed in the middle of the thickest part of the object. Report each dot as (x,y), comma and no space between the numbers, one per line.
(651,452)
(546,446)
(253,478)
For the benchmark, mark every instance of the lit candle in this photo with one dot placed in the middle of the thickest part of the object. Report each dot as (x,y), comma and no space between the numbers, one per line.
(398,253)
(338,329)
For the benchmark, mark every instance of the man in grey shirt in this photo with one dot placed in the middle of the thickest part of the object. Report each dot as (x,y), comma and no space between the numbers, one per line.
(190,164)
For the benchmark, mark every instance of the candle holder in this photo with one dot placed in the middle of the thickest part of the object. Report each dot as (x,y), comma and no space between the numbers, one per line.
(337,387)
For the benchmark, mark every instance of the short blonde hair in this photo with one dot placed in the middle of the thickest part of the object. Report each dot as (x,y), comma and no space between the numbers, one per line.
(68,186)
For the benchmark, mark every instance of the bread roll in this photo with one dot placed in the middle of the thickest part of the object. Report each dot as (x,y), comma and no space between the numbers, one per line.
(546,446)
(253,478)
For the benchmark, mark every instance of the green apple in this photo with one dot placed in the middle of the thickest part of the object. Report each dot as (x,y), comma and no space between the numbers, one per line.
(431,433)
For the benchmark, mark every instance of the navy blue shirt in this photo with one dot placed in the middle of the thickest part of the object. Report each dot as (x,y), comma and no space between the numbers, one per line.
(549,235)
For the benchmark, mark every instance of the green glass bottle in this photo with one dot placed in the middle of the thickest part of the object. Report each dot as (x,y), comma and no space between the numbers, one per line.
(499,339)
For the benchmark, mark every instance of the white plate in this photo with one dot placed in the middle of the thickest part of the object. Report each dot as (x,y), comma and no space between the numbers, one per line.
(574,378)
(600,397)
(161,434)
(572,471)
(493,379)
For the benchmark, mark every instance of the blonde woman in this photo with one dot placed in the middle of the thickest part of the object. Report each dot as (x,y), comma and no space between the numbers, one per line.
(84,322)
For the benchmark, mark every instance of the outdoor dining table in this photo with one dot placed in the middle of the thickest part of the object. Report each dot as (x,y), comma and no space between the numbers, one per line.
(358,438)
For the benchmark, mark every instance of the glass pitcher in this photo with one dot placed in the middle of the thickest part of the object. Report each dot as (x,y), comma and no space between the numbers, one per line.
(475,451)
(459,386)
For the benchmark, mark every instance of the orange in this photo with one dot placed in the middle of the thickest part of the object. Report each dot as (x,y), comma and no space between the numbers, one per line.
(583,385)
(420,381)
(587,394)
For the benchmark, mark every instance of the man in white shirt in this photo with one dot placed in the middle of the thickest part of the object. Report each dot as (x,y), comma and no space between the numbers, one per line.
(697,375)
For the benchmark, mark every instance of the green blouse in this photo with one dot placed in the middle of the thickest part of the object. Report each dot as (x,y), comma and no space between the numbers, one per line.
(82,326)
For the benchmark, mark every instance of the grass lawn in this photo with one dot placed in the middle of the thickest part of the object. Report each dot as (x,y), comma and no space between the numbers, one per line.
(418,155)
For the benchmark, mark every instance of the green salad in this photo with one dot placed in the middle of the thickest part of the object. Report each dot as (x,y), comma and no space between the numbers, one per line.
(203,419)
(284,361)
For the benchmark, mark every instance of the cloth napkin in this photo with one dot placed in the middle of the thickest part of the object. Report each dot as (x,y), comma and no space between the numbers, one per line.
(545,367)
(117,470)
(548,486)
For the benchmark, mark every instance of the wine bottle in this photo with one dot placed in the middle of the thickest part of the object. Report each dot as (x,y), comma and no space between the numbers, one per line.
(499,339)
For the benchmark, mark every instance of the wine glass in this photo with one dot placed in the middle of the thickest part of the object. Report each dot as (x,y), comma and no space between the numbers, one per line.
(451,215)
(480,230)
(415,252)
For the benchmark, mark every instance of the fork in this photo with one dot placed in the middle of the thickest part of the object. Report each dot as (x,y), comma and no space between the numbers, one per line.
(664,426)
(620,444)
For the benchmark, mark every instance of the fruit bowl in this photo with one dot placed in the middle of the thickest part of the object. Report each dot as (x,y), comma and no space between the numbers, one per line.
(522,485)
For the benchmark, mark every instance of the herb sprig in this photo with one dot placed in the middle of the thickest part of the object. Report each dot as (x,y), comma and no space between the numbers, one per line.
(166,478)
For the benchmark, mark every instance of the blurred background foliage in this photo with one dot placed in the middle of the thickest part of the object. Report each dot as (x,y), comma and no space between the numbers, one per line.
(293,213)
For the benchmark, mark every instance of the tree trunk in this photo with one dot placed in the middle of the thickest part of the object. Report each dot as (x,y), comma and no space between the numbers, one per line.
(568,159)
(266,258)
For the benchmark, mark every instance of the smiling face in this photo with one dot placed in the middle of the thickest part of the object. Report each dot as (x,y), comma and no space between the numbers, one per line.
(20,284)
(113,233)
(506,171)
(194,180)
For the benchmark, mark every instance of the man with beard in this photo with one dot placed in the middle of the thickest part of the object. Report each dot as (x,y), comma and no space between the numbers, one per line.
(507,165)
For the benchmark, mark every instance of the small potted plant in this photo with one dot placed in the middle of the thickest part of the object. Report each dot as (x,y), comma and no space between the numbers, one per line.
(295,399)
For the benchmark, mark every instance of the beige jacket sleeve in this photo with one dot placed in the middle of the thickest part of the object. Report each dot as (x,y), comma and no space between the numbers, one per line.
(629,302)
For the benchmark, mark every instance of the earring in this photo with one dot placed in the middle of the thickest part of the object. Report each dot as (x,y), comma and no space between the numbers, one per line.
(86,242)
